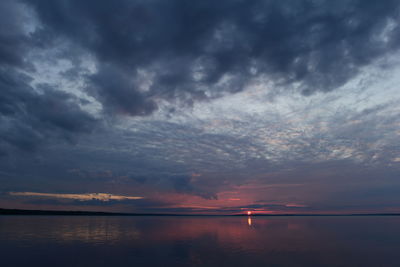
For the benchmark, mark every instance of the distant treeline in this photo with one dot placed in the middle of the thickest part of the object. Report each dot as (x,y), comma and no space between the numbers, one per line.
(53,212)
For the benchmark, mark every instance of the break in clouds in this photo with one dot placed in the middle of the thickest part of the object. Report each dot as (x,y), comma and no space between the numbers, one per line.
(202,105)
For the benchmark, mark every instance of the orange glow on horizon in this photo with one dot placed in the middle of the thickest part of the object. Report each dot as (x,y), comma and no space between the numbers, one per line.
(248,213)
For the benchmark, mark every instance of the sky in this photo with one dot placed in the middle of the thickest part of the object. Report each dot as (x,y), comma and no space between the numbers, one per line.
(200,107)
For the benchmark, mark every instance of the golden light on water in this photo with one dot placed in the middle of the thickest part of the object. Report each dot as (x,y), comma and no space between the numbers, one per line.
(249,221)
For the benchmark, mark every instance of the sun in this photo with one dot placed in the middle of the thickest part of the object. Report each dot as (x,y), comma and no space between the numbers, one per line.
(248,213)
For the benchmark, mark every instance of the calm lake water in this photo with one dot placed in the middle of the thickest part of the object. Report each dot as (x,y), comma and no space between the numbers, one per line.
(199,241)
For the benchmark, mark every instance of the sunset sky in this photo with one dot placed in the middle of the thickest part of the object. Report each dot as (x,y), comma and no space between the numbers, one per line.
(209,107)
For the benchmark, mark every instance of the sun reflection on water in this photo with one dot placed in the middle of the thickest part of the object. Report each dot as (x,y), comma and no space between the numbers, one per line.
(249,221)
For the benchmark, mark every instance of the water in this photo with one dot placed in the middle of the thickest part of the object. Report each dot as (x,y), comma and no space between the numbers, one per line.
(199,241)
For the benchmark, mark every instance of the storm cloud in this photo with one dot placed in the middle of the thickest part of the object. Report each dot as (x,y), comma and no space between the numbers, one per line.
(151,50)
(200,106)
(30,114)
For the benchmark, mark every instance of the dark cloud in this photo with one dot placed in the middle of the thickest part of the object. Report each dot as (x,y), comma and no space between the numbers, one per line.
(184,184)
(67,67)
(13,40)
(29,117)
(196,50)
(151,50)
(116,90)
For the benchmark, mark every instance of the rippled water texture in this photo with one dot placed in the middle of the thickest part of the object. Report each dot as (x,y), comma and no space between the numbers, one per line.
(199,241)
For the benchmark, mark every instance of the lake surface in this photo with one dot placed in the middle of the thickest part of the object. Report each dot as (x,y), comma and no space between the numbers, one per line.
(199,241)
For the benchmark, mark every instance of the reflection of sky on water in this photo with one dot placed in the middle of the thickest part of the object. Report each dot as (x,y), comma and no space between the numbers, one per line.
(199,241)
(95,230)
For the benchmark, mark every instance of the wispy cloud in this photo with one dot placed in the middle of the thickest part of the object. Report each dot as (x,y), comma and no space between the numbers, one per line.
(81,197)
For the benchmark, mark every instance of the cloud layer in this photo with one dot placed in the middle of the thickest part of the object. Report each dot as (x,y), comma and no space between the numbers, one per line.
(206,105)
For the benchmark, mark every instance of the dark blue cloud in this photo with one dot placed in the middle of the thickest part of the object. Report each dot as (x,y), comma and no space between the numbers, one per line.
(194,81)
(190,47)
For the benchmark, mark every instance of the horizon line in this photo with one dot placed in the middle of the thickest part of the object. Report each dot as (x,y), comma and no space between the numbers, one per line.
(105,213)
